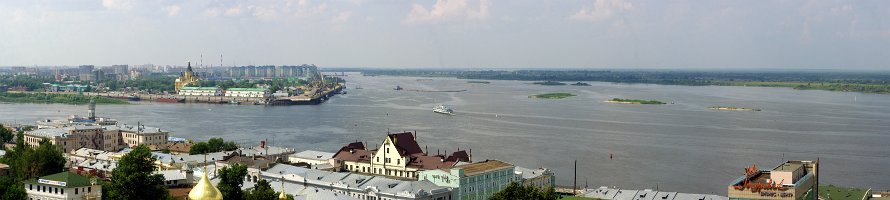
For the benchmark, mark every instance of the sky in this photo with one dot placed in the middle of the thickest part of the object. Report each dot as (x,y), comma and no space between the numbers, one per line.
(663,34)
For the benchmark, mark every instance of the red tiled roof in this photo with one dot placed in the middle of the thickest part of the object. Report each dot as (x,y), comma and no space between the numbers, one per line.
(430,162)
(405,143)
(459,156)
(354,152)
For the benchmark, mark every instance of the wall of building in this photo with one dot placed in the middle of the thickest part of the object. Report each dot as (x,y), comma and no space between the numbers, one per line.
(51,192)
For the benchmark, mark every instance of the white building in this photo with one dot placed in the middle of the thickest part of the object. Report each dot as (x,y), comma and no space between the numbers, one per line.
(312,158)
(248,92)
(63,186)
(105,138)
(201,91)
(300,181)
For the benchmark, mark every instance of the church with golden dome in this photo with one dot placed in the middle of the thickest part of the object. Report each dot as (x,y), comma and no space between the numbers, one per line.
(188,77)
(205,190)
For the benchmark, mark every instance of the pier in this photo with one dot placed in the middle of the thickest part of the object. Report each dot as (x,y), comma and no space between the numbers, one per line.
(309,98)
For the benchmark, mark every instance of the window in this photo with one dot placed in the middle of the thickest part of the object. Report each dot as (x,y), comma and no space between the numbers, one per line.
(89,189)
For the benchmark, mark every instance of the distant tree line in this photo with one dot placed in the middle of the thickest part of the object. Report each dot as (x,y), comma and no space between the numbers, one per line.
(834,81)
(56,98)
(212,145)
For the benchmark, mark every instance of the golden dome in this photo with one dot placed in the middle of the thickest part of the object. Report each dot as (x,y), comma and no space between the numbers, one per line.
(282,196)
(205,190)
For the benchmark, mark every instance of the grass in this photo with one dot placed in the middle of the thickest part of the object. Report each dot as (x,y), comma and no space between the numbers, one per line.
(636,101)
(559,95)
(56,98)
(841,193)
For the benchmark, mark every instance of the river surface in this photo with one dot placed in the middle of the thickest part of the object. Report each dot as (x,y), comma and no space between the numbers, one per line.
(683,147)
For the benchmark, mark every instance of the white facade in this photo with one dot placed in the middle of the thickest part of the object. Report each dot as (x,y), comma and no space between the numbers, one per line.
(51,192)
(247,92)
(201,91)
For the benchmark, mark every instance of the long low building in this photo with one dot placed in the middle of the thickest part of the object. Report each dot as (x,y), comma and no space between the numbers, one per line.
(354,184)
(105,138)
(201,91)
(248,92)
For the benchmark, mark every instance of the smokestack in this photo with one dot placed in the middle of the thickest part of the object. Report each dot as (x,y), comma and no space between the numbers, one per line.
(575,180)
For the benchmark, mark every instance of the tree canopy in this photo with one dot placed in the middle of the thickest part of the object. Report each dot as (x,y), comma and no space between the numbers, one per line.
(134,177)
(231,179)
(262,191)
(5,134)
(212,145)
(515,191)
(27,163)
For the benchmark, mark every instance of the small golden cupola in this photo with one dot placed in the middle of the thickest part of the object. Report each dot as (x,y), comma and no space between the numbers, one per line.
(205,190)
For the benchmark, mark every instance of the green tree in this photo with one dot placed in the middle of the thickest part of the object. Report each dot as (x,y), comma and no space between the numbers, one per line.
(5,134)
(262,191)
(134,177)
(47,159)
(15,191)
(519,192)
(199,148)
(212,145)
(231,179)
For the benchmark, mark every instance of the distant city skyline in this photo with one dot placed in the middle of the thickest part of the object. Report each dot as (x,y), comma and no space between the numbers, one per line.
(467,34)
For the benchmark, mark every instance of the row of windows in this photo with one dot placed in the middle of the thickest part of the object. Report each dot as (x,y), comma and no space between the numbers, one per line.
(55,190)
(387,172)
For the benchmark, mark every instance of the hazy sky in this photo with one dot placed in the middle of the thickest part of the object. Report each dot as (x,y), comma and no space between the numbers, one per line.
(704,34)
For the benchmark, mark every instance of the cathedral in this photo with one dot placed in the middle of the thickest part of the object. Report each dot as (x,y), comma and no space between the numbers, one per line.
(187,77)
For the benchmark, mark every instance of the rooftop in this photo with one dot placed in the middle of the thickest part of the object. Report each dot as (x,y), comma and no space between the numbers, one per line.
(484,166)
(313,155)
(199,88)
(530,173)
(789,166)
(246,89)
(64,179)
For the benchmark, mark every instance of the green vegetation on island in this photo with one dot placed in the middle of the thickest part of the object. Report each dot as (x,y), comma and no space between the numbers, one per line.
(559,95)
(634,101)
(16,97)
(549,83)
(482,82)
(581,84)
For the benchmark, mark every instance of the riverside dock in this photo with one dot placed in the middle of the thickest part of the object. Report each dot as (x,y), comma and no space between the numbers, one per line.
(309,98)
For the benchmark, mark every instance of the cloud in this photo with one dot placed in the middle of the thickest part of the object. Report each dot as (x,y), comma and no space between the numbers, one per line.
(342,17)
(235,11)
(213,12)
(172,10)
(446,10)
(119,5)
(841,9)
(264,12)
(18,16)
(602,10)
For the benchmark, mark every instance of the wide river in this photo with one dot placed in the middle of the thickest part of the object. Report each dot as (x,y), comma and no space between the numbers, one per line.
(683,147)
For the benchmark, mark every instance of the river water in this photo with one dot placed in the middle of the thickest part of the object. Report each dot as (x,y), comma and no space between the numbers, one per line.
(681,147)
